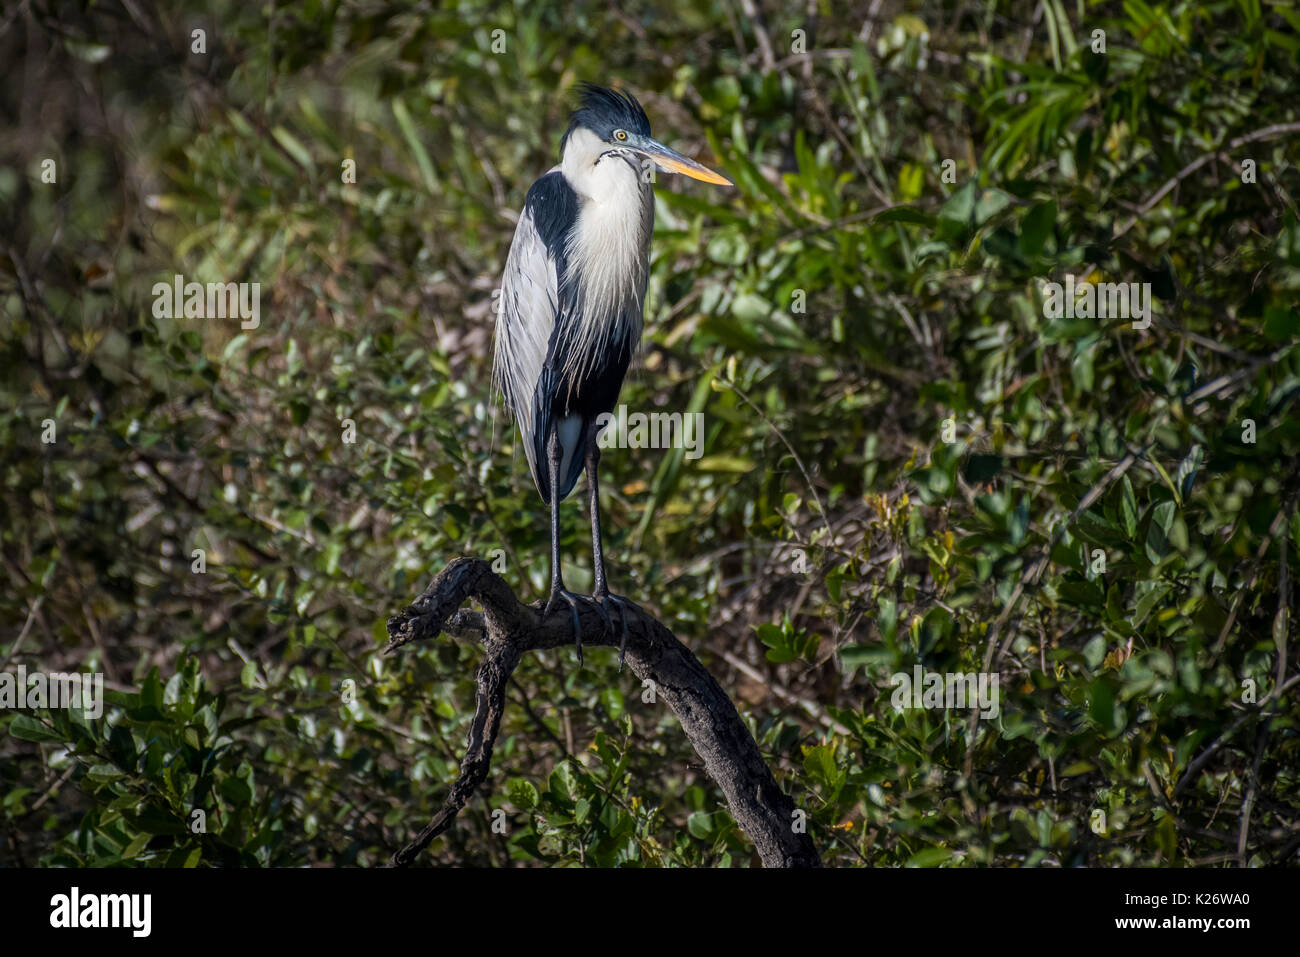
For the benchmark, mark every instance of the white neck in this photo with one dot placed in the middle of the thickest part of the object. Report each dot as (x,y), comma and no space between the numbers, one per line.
(609,245)
(594,175)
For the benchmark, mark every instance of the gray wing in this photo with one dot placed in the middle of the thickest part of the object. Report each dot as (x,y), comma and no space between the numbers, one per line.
(529,308)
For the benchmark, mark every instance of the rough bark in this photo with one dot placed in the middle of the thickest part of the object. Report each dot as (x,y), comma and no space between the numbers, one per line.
(507,628)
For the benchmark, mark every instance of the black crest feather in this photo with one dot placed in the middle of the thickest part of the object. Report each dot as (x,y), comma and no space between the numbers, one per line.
(603,110)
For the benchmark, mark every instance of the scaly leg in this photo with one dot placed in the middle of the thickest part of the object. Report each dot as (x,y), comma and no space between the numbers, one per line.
(600,591)
(558,591)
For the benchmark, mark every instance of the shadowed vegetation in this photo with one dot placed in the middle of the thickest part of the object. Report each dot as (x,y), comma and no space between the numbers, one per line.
(907,460)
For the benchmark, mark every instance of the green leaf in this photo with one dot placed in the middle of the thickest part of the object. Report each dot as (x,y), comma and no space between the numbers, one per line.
(930,857)
(724,463)
(1037,227)
(1128,509)
(27,728)
(1151,593)
(562,783)
(959,207)
(865,656)
(412,136)
(911,180)
(778,641)
(236,791)
(522,793)
(887,617)
(991,202)
(1157,540)
(294,147)
(700,824)
(728,248)
(154,821)
(749,307)
(1185,477)
(138,844)
(1101,704)
(905,214)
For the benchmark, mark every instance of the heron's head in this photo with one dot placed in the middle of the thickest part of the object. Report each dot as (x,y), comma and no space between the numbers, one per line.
(611,123)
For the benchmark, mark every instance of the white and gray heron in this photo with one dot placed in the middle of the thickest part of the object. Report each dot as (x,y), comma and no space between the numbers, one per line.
(569,315)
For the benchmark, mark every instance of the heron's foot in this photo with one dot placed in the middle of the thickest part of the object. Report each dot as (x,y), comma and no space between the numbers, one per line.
(622,605)
(572,599)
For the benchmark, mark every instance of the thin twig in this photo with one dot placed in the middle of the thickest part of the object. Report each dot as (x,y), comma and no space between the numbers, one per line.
(1268,132)
(31,616)
(812,489)
(1222,739)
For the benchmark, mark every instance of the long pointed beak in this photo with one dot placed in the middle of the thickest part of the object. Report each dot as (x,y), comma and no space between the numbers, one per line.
(671,161)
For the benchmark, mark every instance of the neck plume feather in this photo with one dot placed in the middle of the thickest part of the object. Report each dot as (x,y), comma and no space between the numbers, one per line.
(608,251)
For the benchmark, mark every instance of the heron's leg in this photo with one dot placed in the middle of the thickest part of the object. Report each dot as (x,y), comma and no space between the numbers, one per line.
(600,592)
(601,587)
(558,591)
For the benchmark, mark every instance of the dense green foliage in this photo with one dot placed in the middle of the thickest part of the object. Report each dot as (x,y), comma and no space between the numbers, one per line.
(896,430)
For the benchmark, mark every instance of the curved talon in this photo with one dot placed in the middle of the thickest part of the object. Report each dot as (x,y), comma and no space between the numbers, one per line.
(601,602)
(618,601)
(573,600)
(600,610)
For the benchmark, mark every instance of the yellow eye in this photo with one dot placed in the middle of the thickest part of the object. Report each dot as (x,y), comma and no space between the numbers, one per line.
(620,135)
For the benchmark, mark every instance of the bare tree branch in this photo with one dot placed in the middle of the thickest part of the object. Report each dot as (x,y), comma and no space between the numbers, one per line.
(508,628)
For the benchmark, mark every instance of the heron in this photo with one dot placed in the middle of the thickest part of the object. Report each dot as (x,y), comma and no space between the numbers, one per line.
(570,311)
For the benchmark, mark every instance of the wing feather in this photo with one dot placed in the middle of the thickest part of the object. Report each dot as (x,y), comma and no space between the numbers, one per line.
(530,307)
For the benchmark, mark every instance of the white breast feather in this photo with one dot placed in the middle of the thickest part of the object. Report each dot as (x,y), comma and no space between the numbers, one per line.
(607,252)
